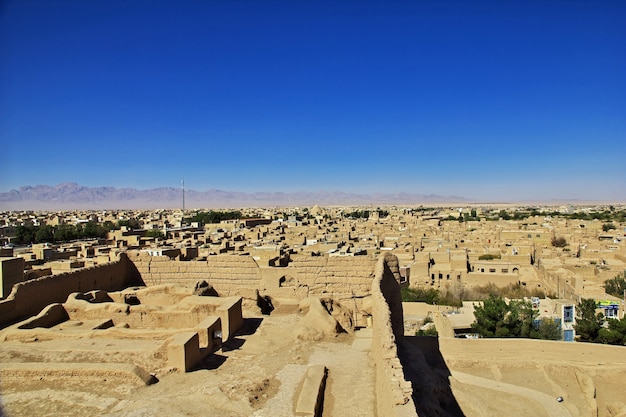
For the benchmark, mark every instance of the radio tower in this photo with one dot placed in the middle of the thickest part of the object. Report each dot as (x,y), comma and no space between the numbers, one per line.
(183,183)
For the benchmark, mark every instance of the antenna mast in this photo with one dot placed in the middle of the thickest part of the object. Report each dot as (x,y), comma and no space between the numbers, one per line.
(183,182)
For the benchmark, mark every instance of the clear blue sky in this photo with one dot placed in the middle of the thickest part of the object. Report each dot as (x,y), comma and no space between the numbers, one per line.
(496,100)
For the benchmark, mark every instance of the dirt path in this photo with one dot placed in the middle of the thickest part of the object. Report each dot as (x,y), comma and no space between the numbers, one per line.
(350,385)
(549,403)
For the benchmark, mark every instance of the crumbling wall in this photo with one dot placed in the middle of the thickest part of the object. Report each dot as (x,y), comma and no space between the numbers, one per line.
(28,298)
(393,392)
(336,277)
(228,274)
(347,280)
(339,277)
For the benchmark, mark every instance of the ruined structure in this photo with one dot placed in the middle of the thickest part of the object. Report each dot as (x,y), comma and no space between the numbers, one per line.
(297,317)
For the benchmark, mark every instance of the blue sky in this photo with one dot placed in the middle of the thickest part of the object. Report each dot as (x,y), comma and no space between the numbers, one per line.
(493,100)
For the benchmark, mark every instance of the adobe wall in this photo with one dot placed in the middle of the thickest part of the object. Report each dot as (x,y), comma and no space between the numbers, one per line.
(342,278)
(561,284)
(28,298)
(228,274)
(393,392)
(339,277)
(11,272)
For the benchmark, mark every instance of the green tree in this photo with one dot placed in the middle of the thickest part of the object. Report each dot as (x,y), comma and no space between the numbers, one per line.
(430,296)
(65,232)
(109,225)
(155,233)
(496,318)
(131,223)
(431,331)
(616,285)
(44,234)
(208,217)
(548,330)
(92,230)
(382,213)
(24,234)
(588,322)
(614,334)
(608,226)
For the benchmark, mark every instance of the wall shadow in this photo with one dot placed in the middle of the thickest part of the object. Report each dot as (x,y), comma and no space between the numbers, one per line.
(133,277)
(250,325)
(211,362)
(427,371)
(232,344)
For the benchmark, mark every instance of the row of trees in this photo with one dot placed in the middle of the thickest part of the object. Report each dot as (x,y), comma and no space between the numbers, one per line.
(456,293)
(496,318)
(592,327)
(365,214)
(608,215)
(25,234)
(209,217)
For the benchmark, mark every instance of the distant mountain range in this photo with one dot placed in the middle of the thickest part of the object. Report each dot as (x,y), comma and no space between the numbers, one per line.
(76,196)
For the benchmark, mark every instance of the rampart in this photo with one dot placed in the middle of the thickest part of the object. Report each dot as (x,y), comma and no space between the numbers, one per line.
(345,279)
(393,392)
(228,274)
(28,298)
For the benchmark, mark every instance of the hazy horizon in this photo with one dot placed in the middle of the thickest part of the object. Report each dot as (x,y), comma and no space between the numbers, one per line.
(69,196)
(498,101)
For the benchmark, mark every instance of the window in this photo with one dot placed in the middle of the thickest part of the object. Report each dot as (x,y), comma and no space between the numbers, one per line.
(611,312)
(505,270)
(568,314)
(492,270)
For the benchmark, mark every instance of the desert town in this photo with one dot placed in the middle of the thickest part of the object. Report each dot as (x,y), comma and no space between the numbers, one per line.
(301,311)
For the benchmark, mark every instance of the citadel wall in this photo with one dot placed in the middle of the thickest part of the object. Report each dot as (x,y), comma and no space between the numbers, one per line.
(393,392)
(345,279)
(28,298)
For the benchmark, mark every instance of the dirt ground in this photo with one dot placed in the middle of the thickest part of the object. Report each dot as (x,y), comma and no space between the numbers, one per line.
(258,373)
(521,377)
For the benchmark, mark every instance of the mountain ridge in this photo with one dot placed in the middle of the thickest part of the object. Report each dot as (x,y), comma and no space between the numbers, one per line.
(73,195)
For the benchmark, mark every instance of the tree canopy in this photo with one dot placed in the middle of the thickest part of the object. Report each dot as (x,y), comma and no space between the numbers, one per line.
(26,234)
(588,322)
(208,217)
(496,318)
(616,285)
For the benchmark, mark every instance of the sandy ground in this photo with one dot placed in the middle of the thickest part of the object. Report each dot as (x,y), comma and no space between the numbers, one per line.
(258,373)
(498,377)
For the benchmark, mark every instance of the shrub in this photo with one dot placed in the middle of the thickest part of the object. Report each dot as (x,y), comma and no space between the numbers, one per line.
(430,296)
(428,332)
(608,226)
(559,242)
(616,285)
